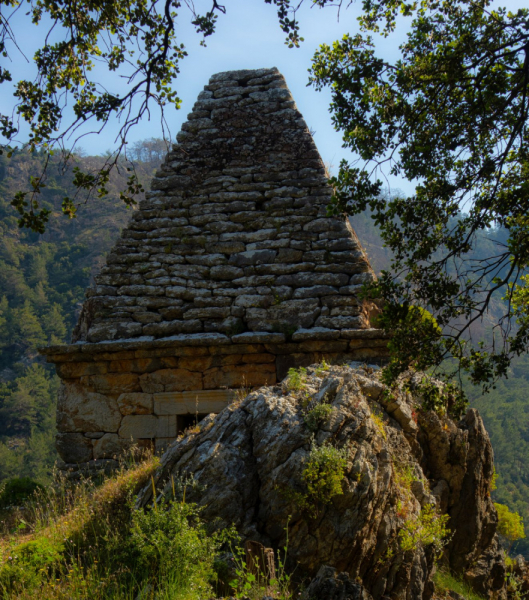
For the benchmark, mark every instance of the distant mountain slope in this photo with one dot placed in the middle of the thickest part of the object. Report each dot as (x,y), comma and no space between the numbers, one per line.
(43,279)
(505,411)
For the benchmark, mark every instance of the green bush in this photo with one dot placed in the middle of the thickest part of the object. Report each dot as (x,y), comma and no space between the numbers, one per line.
(296,379)
(16,491)
(428,529)
(510,525)
(319,414)
(324,473)
(171,541)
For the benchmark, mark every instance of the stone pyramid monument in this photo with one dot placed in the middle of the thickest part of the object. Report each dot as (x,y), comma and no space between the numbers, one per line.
(230,273)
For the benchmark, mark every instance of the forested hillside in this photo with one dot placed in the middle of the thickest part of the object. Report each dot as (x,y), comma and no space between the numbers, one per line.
(42,284)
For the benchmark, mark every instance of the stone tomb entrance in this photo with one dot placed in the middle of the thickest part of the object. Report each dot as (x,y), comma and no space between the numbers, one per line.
(229,274)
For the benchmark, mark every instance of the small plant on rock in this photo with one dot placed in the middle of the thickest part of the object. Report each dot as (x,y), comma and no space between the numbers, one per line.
(379,424)
(324,473)
(322,369)
(404,477)
(429,528)
(321,478)
(319,414)
(296,379)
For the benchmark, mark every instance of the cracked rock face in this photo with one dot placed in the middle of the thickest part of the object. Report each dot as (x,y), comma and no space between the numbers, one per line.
(249,461)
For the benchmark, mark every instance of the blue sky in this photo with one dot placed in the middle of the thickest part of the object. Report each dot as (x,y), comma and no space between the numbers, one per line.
(248,36)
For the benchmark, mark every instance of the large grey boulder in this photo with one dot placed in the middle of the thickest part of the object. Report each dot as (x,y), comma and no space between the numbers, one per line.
(249,468)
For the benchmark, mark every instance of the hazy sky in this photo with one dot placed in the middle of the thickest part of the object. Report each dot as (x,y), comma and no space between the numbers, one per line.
(248,36)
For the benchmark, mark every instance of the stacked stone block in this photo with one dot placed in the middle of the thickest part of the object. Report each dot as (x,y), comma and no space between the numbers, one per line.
(234,235)
(230,272)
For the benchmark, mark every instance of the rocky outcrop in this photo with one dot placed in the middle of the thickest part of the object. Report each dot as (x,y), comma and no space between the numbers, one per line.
(331,585)
(269,463)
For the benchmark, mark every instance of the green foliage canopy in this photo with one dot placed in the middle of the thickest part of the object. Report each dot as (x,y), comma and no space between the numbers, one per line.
(510,524)
(450,116)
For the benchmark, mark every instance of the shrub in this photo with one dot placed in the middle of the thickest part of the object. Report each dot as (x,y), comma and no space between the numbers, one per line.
(510,525)
(170,541)
(16,491)
(319,414)
(296,379)
(429,528)
(324,473)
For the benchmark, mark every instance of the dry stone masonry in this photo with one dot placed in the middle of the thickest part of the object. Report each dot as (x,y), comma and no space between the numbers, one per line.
(229,273)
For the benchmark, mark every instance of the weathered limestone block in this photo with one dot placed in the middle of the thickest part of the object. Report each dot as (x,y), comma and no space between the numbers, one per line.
(192,402)
(80,411)
(138,426)
(170,380)
(135,404)
(258,337)
(252,257)
(365,353)
(112,383)
(340,322)
(139,365)
(110,445)
(291,313)
(74,370)
(324,346)
(258,359)
(198,363)
(113,331)
(171,327)
(240,376)
(74,447)
(147,426)
(315,333)
(226,272)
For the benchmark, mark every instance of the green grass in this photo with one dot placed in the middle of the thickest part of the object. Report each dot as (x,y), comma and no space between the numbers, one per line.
(445,582)
(85,541)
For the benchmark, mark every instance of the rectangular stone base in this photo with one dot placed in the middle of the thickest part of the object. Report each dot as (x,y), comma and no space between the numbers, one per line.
(118,393)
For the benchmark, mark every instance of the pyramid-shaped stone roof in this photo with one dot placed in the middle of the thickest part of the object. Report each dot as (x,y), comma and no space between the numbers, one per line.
(234,236)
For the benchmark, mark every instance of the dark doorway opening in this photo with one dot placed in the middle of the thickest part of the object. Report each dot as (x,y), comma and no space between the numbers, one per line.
(184,422)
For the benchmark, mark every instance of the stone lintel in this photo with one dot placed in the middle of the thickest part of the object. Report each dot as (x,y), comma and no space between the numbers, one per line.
(197,401)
